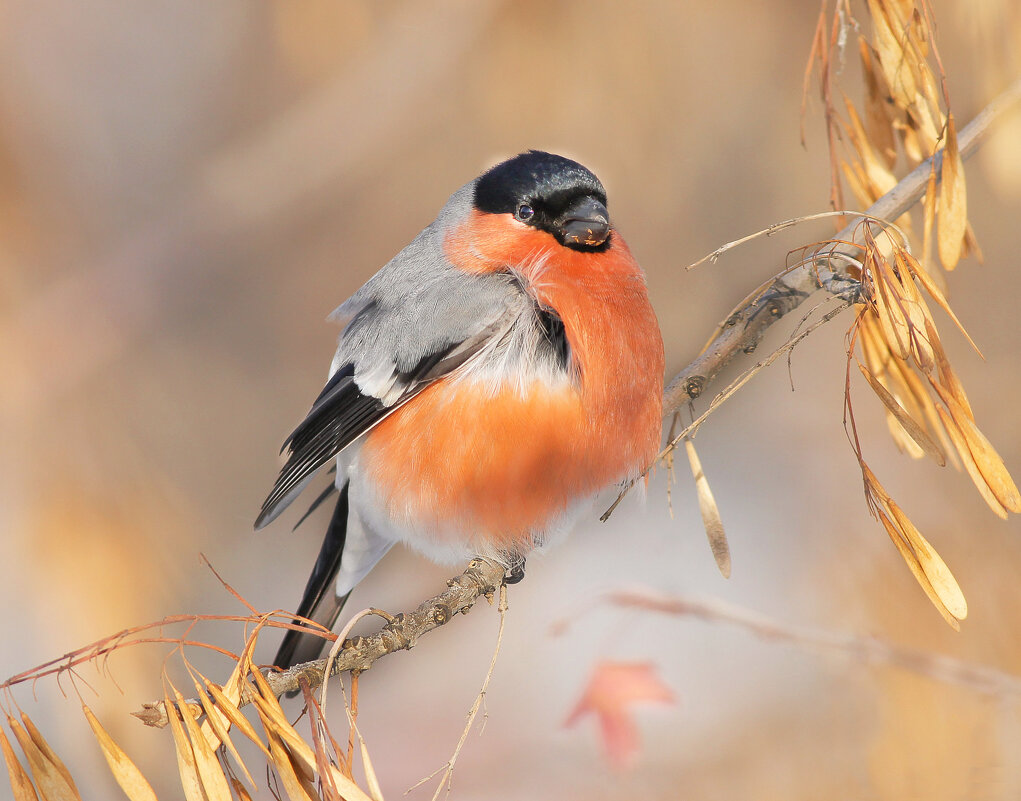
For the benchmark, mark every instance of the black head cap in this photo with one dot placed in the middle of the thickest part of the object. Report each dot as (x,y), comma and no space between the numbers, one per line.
(551,193)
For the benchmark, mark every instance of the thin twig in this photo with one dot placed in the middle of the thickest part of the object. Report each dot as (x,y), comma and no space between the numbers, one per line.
(480,699)
(481,579)
(866,649)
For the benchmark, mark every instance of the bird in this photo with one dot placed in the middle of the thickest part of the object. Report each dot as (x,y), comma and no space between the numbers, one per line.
(490,380)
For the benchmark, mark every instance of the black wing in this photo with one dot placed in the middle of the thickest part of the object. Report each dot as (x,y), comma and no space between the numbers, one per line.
(339,416)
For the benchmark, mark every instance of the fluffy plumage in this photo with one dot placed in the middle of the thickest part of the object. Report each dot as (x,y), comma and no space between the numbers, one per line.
(490,379)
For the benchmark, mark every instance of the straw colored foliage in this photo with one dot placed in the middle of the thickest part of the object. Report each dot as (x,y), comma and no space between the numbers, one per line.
(894,337)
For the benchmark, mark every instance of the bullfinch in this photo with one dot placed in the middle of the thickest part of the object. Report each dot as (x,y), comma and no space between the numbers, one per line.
(492,378)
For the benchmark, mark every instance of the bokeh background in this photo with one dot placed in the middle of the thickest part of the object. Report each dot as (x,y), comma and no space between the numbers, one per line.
(187,189)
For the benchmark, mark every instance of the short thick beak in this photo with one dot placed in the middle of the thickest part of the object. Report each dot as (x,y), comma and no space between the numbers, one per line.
(585,222)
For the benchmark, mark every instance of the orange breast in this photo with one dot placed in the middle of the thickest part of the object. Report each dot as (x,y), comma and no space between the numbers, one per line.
(499,464)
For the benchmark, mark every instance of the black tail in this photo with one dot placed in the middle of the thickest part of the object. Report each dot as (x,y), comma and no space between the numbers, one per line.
(320,602)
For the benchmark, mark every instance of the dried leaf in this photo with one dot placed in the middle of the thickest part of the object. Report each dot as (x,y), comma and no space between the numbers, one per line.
(920,393)
(710,512)
(855,177)
(902,439)
(239,790)
(988,461)
(934,291)
(925,122)
(50,781)
(942,580)
(127,774)
(370,774)
(919,30)
(892,321)
(909,139)
(214,782)
(949,385)
(912,427)
(971,246)
(916,569)
(231,711)
(275,722)
(232,688)
(918,314)
(880,179)
(952,206)
(879,114)
(48,752)
(217,723)
(891,56)
(957,437)
(21,784)
(186,766)
(613,689)
(294,786)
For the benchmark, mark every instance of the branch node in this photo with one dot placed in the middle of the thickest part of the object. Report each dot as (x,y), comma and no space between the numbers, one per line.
(694,386)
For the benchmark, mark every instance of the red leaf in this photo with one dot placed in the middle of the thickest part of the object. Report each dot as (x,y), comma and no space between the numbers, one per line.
(612,690)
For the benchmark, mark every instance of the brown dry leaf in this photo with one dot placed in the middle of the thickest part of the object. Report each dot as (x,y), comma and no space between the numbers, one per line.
(276,724)
(239,790)
(186,766)
(232,688)
(275,721)
(294,786)
(912,427)
(50,781)
(879,113)
(231,711)
(127,774)
(918,315)
(874,349)
(855,177)
(21,784)
(218,725)
(926,124)
(921,395)
(214,782)
(902,439)
(370,774)
(952,206)
(942,580)
(936,294)
(879,177)
(988,461)
(710,512)
(916,569)
(969,463)
(949,385)
(971,246)
(909,139)
(892,321)
(919,29)
(48,752)
(891,55)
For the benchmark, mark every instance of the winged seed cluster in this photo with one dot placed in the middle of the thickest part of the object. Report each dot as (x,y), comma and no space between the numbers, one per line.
(894,339)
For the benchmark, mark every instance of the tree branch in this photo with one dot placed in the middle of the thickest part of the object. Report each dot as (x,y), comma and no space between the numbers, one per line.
(745,327)
(481,579)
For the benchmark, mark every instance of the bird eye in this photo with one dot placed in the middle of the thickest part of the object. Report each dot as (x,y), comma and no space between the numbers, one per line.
(524,212)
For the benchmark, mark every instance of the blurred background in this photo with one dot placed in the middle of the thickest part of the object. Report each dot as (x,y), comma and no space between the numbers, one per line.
(187,189)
